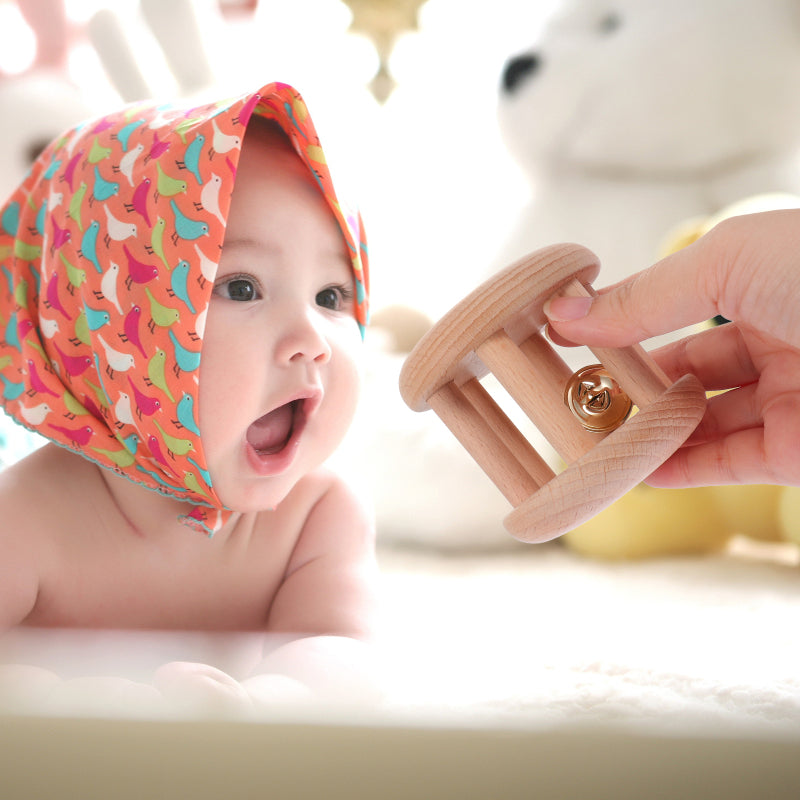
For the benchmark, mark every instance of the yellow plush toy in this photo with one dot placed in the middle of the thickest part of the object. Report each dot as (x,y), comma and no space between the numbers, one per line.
(649,522)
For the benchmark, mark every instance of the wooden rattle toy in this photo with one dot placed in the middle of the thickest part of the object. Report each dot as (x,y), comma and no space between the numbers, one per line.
(585,416)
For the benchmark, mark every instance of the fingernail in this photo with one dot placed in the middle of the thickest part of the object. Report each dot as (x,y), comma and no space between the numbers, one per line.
(567,309)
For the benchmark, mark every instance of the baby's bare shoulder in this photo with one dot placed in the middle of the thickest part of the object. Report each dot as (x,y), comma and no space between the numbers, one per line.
(327,492)
(329,582)
(23,497)
(23,525)
(38,497)
(338,517)
(325,511)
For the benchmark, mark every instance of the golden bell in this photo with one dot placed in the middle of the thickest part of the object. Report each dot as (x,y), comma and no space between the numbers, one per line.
(596,399)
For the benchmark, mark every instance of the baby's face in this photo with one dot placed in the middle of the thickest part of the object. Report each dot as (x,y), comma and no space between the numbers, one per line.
(280,376)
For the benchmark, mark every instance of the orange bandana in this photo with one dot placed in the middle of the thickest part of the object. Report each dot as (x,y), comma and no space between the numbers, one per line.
(109,251)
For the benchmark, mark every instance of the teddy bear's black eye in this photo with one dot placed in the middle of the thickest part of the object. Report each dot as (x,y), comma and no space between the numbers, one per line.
(610,23)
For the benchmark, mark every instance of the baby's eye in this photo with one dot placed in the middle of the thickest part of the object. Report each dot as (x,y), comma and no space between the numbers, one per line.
(333,297)
(240,288)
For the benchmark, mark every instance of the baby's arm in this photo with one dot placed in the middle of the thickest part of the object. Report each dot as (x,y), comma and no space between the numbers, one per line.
(320,621)
(327,601)
(329,582)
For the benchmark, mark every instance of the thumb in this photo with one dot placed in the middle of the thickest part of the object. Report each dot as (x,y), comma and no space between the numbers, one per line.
(669,295)
(744,268)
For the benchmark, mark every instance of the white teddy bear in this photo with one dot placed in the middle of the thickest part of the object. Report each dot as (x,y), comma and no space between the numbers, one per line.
(629,117)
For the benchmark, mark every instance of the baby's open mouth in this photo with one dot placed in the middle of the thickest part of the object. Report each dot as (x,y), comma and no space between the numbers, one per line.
(271,433)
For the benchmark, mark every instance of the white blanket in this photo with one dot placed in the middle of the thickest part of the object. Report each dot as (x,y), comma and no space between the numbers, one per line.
(532,636)
(540,635)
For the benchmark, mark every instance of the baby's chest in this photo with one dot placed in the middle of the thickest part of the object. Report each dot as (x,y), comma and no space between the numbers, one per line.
(142,587)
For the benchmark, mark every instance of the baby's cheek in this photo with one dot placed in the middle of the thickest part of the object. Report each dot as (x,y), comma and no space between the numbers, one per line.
(351,388)
(221,392)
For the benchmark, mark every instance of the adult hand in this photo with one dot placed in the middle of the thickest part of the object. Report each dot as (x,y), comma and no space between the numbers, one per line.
(746,269)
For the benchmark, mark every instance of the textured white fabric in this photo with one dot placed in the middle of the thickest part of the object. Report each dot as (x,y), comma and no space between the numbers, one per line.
(541,635)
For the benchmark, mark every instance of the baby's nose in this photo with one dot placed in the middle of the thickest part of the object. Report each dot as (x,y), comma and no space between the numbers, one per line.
(304,340)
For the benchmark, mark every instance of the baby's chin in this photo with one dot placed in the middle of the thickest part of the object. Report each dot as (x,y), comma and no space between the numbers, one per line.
(245,492)
(255,502)
(259,496)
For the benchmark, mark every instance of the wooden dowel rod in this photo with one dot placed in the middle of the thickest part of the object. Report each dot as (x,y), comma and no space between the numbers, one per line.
(548,364)
(494,458)
(507,432)
(537,396)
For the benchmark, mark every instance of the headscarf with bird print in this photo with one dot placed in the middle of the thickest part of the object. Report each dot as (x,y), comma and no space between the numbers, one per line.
(109,251)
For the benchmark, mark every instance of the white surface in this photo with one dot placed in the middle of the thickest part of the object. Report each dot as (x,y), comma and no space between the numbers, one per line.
(544,636)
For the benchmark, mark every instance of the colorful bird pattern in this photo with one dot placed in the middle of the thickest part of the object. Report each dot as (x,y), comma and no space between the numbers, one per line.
(106,290)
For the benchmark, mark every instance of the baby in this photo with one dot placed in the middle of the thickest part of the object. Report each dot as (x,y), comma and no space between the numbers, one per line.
(192,391)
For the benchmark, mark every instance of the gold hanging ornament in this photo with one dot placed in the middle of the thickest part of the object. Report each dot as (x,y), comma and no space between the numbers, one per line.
(382,22)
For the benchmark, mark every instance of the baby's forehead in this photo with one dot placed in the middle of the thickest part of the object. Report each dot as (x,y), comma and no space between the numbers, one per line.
(266,132)
(268,155)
